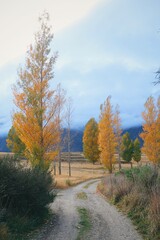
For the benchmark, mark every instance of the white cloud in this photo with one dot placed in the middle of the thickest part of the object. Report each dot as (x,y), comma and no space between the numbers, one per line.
(18,21)
(102,51)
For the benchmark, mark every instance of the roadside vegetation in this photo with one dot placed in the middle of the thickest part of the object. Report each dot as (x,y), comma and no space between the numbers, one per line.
(36,135)
(24,198)
(136,192)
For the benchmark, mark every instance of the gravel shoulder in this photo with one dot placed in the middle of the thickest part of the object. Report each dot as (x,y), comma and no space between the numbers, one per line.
(107,222)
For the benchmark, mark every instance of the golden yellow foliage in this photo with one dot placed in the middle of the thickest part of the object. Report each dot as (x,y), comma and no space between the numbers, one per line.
(36,121)
(90,141)
(151,130)
(107,139)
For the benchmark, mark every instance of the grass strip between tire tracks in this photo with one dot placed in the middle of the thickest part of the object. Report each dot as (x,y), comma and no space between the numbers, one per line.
(82,195)
(84,223)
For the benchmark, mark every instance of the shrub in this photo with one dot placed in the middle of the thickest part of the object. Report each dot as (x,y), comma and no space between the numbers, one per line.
(24,190)
(3,231)
(137,192)
(154,211)
(145,175)
(115,188)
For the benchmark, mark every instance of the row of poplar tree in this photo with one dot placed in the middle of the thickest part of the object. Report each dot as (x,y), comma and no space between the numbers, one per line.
(103,140)
(37,117)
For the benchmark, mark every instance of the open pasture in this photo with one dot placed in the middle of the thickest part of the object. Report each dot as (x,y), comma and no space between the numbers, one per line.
(80,170)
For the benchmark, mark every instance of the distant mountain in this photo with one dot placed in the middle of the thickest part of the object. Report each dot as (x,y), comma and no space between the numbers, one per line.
(3,144)
(134,133)
(76,139)
(77,135)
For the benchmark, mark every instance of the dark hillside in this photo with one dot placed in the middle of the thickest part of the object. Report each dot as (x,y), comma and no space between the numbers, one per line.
(76,139)
(134,133)
(3,145)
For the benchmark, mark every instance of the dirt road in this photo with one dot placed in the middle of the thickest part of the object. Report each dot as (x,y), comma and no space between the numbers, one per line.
(106,222)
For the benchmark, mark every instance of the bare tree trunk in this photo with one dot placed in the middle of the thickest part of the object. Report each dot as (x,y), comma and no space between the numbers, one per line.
(119,161)
(61,101)
(69,162)
(59,162)
(69,146)
(69,111)
(54,168)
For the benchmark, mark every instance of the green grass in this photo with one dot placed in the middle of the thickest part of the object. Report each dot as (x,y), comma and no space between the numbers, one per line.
(22,228)
(82,195)
(84,223)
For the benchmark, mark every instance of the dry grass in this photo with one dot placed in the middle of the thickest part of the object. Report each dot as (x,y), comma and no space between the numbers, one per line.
(80,171)
(137,193)
(154,211)
(4,154)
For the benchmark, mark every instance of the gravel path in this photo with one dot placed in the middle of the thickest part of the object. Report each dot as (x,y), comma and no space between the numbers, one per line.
(107,222)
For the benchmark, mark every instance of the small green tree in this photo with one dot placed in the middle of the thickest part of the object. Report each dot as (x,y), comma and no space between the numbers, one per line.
(137,150)
(90,141)
(127,148)
(14,143)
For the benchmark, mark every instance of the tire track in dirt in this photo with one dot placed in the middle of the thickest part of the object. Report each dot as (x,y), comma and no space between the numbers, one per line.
(107,222)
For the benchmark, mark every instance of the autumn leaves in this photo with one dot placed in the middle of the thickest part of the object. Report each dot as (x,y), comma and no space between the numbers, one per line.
(90,141)
(107,137)
(36,119)
(103,140)
(100,141)
(151,130)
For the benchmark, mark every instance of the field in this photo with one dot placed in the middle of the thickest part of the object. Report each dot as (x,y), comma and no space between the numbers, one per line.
(83,170)
(80,170)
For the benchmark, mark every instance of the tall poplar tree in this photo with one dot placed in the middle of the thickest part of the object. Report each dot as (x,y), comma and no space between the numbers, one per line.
(35,120)
(118,132)
(90,141)
(151,130)
(68,120)
(61,98)
(107,139)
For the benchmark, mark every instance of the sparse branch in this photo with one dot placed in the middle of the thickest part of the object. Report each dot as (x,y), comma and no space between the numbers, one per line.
(68,120)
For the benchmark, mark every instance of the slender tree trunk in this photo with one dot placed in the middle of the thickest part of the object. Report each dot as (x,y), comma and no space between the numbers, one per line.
(69,162)
(59,162)
(59,129)
(69,150)
(54,168)
(41,118)
(119,161)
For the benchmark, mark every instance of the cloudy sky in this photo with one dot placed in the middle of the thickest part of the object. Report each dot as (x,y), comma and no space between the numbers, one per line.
(106,47)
